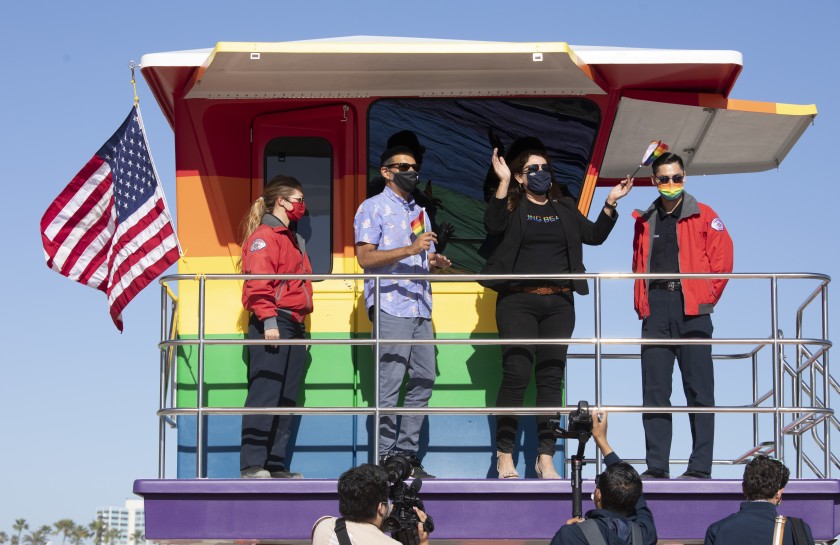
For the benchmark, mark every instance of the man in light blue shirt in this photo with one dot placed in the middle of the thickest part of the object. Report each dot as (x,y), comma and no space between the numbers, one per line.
(393,236)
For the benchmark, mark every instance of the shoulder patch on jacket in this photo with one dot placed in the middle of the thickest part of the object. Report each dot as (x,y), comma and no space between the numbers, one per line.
(259,244)
(717,225)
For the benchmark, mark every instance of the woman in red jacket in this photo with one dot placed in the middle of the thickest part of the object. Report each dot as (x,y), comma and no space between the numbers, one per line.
(278,308)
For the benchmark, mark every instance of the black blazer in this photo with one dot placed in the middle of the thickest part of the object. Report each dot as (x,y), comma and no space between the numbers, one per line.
(508,229)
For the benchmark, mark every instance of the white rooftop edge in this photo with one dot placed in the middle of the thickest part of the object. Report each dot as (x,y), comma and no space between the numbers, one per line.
(587,53)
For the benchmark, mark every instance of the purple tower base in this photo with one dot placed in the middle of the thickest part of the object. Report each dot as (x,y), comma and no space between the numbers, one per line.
(465,511)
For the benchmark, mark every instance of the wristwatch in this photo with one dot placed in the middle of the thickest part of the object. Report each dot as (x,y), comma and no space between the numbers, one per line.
(611,206)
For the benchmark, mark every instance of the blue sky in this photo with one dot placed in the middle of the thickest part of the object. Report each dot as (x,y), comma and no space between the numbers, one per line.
(77,399)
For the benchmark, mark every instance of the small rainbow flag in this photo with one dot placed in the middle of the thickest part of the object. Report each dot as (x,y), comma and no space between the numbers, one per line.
(418,224)
(654,150)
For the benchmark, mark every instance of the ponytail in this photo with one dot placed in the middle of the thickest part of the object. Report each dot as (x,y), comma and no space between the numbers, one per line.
(253,219)
(279,186)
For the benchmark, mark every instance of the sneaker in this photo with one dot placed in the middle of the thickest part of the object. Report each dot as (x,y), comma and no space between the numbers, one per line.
(254,472)
(693,474)
(285,474)
(655,474)
(417,471)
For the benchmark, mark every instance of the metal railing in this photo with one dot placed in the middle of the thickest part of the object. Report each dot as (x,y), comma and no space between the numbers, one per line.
(791,419)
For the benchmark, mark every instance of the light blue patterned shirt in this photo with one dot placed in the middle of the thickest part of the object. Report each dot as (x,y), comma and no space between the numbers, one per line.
(384,220)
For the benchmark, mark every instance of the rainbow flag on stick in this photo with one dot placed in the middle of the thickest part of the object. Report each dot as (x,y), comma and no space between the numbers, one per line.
(654,150)
(418,224)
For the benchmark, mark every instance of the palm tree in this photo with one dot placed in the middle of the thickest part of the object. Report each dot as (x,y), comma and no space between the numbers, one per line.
(135,537)
(19,526)
(3,538)
(113,536)
(79,534)
(14,540)
(64,528)
(37,537)
(97,530)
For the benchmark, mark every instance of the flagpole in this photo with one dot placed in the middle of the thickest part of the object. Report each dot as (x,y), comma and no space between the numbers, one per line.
(154,168)
(131,65)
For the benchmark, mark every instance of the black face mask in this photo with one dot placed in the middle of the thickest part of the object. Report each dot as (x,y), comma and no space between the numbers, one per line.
(539,182)
(407,181)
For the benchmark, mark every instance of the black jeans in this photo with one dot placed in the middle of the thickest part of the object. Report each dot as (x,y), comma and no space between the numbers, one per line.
(532,316)
(667,320)
(274,377)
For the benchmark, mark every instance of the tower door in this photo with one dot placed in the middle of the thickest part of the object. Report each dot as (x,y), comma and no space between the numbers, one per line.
(317,146)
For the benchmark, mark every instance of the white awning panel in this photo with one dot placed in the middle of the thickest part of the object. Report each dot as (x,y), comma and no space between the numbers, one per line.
(713,135)
(324,69)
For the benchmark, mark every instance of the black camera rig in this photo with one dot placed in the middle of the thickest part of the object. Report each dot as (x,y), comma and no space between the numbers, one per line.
(402,520)
(580,428)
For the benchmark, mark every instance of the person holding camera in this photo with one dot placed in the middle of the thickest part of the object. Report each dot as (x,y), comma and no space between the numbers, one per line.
(621,515)
(764,482)
(364,506)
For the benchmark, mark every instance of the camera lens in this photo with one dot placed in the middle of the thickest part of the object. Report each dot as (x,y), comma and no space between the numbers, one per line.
(398,468)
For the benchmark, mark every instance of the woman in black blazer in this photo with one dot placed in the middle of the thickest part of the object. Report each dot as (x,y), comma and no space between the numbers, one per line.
(539,231)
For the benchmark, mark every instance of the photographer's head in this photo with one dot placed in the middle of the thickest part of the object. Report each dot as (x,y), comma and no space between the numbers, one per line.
(618,489)
(363,494)
(764,479)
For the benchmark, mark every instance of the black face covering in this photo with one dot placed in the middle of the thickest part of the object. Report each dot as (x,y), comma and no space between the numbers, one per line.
(539,182)
(407,181)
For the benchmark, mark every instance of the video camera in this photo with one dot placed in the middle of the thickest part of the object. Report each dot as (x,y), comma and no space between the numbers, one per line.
(580,424)
(402,520)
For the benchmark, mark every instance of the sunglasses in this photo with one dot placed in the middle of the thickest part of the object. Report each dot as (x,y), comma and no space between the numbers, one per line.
(404,167)
(536,168)
(676,178)
(295,199)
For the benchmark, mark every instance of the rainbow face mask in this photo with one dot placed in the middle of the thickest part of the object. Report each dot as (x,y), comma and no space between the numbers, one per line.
(671,193)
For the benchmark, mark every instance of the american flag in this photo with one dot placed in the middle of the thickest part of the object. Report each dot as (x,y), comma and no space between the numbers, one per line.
(110,229)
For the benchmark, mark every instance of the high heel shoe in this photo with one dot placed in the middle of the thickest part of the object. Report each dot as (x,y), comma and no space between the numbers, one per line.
(509,474)
(552,474)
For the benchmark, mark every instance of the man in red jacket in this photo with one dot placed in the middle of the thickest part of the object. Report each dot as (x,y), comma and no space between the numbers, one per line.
(677,234)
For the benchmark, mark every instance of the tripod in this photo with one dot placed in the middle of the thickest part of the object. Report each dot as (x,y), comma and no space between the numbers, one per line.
(580,428)
(577,480)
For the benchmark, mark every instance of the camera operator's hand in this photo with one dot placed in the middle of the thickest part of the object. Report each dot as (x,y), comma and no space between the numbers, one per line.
(599,432)
(575,520)
(421,528)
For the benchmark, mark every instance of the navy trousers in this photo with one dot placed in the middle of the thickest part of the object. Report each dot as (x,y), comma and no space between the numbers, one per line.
(274,377)
(667,320)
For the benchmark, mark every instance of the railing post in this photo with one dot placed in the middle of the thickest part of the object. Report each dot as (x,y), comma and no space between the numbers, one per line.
(376,358)
(199,423)
(598,387)
(777,370)
(826,376)
(162,392)
(798,440)
(597,302)
(756,439)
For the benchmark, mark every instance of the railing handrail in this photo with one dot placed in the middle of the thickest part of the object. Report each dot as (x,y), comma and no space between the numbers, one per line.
(804,417)
(459,277)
